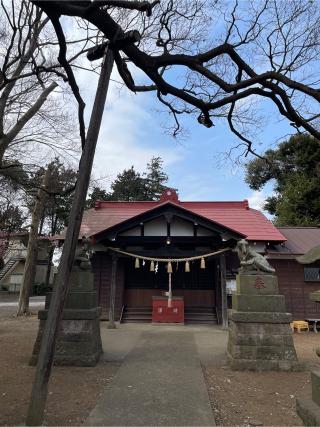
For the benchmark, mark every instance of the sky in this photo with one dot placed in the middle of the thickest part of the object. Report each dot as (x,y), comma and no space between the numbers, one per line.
(134,129)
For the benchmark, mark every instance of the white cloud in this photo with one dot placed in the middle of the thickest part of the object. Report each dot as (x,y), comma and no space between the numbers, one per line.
(257,200)
(129,133)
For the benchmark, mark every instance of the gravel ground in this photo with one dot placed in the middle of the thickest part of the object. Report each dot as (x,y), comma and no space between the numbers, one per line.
(73,391)
(261,398)
(238,398)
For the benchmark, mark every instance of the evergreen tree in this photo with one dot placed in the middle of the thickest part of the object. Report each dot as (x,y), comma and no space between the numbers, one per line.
(58,202)
(11,219)
(59,199)
(97,194)
(129,185)
(155,179)
(294,168)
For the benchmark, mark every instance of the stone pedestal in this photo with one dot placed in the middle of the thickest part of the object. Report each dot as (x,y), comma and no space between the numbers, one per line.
(260,337)
(79,340)
(308,407)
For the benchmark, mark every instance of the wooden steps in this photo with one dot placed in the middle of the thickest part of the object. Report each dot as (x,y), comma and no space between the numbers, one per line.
(137,315)
(193,315)
(200,315)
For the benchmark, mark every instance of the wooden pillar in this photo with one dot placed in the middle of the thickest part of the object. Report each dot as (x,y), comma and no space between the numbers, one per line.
(46,354)
(223,291)
(113,285)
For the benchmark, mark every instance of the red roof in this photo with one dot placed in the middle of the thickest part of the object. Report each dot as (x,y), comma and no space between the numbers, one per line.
(237,216)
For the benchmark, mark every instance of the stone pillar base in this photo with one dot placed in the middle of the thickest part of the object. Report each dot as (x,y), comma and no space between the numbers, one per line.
(261,341)
(260,337)
(79,340)
(308,411)
(308,407)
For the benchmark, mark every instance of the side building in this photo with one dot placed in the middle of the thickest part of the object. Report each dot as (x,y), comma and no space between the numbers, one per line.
(13,252)
(297,281)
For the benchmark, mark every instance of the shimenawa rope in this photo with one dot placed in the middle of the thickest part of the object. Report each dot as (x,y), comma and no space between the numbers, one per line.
(168,259)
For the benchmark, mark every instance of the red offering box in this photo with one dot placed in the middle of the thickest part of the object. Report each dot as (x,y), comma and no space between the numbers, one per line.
(164,314)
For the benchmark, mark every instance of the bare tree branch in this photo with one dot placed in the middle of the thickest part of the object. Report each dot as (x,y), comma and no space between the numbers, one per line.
(286,44)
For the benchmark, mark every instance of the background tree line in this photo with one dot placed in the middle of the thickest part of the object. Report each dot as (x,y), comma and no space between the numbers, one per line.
(131,185)
(16,204)
(293,167)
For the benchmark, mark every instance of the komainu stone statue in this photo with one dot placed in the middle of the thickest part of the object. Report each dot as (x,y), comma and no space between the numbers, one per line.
(252,262)
(83,254)
(260,337)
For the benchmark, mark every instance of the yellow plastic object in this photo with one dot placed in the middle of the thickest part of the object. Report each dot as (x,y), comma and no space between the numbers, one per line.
(300,325)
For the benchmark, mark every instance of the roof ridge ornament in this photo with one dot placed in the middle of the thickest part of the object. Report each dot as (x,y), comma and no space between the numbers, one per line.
(169,194)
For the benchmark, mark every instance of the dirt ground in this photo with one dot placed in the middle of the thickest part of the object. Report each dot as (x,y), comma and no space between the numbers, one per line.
(73,391)
(238,398)
(262,398)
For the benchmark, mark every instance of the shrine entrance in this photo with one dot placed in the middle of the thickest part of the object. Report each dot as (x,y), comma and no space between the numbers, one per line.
(197,287)
(136,260)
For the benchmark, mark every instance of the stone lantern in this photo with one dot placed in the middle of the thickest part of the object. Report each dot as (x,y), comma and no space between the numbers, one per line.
(308,408)
(79,340)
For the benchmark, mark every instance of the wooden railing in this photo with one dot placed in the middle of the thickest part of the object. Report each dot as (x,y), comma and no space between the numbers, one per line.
(121,314)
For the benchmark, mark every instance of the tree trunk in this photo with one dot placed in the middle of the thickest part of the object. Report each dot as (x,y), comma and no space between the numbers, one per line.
(46,354)
(49,267)
(32,250)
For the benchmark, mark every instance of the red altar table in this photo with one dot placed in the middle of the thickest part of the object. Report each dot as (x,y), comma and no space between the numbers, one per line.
(164,314)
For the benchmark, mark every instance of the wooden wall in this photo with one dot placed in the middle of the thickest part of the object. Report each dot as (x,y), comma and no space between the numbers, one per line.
(192,298)
(296,291)
(101,264)
(290,276)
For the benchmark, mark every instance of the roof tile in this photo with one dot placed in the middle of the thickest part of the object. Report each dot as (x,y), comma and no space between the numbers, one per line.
(235,215)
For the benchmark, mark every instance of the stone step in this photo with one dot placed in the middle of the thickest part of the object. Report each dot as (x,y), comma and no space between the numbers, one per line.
(201,318)
(136,316)
(199,309)
(136,321)
(200,315)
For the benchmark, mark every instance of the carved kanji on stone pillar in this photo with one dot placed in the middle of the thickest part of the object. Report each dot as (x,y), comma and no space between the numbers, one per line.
(259,283)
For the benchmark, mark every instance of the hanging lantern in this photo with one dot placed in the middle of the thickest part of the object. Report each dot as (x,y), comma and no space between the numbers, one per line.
(187,267)
(169,267)
(137,263)
(203,263)
(152,266)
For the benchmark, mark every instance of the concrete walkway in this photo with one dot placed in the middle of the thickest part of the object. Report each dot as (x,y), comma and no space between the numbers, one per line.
(160,382)
(14,301)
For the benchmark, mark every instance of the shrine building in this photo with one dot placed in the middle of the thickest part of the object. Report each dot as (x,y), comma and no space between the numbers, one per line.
(139,244)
